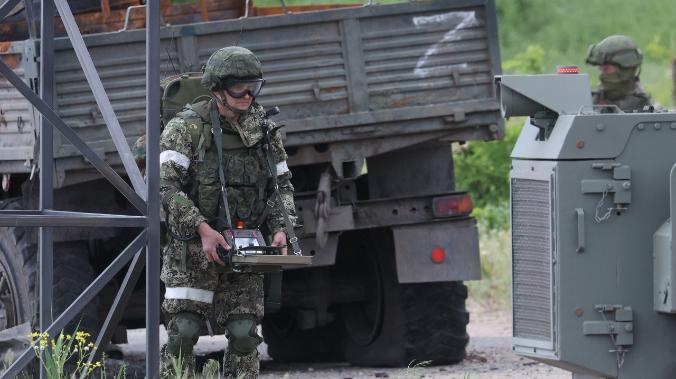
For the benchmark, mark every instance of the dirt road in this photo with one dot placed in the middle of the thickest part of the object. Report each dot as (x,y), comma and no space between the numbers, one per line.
(489,356)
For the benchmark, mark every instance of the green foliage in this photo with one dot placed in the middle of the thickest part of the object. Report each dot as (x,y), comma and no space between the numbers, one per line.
(530,61)
(566,29)
(493,291)
(482,168)
(657,50)
(179,368)
(67,356)
(211,369)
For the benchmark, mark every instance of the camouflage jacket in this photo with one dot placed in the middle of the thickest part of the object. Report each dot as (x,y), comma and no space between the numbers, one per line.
(189,181)
(633,101)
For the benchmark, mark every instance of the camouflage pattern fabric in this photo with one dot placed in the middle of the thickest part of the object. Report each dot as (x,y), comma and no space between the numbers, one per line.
(236,295)
(138,151)
(237,366)
(250,132)
(190,193)
(633,98)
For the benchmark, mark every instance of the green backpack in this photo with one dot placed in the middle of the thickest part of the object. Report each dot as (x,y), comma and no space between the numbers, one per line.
(180,90)
(177,92)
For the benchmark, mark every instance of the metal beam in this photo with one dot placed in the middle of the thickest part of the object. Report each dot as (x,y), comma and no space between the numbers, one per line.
(153,177)
(118,307)
(78,305)
(74,139)
(354,52)
(101,97)
(45,236)
(50,218)
(7,7)
(30,19)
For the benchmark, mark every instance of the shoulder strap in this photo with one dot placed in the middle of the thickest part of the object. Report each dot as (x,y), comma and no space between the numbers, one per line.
(272,169)
(197,118)
(218,139)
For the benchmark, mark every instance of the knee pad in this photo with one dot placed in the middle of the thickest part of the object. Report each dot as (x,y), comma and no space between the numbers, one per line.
(242,335)
(184,331)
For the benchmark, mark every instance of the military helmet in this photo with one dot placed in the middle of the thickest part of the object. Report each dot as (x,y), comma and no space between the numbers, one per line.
(230,63)
(618,50)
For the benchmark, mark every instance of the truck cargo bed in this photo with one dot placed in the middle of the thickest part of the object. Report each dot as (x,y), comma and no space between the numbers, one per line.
(343,78)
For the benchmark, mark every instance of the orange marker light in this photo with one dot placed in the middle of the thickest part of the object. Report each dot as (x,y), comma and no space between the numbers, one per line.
(567,70)
(453,205)
(438,255)
(239,224)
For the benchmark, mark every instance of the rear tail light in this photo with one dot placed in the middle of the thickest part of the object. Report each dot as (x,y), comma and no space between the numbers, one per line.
(438,255)
(452,205)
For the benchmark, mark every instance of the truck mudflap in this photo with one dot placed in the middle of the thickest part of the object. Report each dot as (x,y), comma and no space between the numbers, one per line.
(438,251)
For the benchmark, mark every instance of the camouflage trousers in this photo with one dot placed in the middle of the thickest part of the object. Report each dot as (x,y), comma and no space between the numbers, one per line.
(206,289)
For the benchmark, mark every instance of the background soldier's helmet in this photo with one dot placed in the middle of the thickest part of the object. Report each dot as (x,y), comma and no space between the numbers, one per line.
(231,62)
(618,50)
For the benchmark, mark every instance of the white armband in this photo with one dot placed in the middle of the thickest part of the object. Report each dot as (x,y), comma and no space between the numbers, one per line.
(176,157)
(282,168)
(187,293)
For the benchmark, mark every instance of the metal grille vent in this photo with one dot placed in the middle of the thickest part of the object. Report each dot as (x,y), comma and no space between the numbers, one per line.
(531,259)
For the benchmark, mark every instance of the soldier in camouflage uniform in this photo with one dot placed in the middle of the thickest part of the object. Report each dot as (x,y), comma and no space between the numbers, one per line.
(619,61)
(196,284)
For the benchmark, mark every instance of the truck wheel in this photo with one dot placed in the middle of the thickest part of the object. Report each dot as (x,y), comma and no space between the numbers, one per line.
(19,278)
(287,343)
(400,324)
(72,274)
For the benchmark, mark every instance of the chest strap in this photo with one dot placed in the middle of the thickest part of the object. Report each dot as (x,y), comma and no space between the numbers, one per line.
(272,169)
(224,211)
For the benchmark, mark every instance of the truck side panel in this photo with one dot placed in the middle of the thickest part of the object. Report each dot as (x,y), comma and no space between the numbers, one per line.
(344,75)
(17,130)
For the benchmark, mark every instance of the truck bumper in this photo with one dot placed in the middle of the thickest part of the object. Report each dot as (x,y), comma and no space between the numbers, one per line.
(414,244)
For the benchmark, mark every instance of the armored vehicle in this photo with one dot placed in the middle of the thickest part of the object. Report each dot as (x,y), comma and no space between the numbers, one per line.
(593,192)
(371,98)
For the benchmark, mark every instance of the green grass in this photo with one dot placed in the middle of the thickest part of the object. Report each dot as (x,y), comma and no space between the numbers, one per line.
(494,289)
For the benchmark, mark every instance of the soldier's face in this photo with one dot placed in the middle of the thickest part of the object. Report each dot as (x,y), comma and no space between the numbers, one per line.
(242,104)
(609,69)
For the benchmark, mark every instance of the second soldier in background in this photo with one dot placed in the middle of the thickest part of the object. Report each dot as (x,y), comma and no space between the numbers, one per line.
(619,61)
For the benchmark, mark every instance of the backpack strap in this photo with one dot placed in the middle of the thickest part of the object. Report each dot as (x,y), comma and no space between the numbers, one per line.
(198,127)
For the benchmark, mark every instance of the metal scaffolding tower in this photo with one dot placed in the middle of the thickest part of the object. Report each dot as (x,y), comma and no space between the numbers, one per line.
(143,194)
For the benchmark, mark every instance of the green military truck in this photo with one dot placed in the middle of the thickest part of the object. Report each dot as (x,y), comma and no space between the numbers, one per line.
(371,97)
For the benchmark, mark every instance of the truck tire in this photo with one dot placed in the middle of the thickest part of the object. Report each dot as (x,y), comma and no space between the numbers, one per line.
(19,266)
(18,300)
(401,324)
(286,343)
(72,274)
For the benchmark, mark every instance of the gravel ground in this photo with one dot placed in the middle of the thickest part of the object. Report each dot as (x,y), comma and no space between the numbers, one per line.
(489,356)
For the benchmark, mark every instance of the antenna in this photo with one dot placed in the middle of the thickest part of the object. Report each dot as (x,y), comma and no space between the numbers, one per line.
(173,43)
(171,61)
